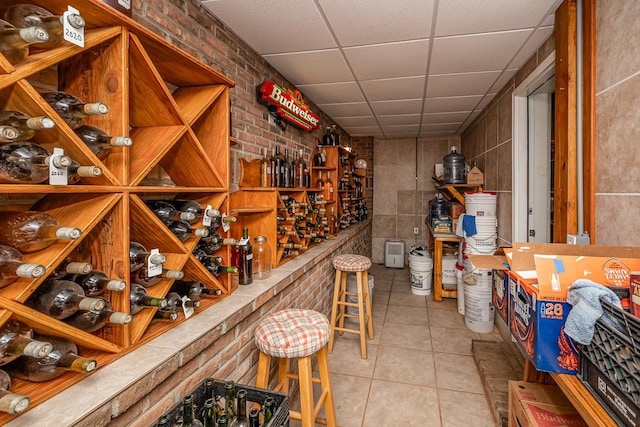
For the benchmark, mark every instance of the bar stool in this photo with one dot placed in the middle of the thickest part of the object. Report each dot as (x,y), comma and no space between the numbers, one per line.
(345,264)
(297,333)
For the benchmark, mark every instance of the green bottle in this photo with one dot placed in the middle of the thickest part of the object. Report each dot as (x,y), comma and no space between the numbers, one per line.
(209,413)
(188,419)
(268,408)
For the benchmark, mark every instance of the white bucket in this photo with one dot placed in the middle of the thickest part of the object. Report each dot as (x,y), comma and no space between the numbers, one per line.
(449,270)
(352,286)
(481,204)
(485,241)
(459,270)
(478,309)
(421,269)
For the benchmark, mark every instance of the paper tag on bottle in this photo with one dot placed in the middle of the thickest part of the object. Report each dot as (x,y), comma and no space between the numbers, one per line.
(250,256)
(206,219)
(225,225)
(125,3)
(57,176)
(242,242)
(72,34)
(153,269)
(188,311)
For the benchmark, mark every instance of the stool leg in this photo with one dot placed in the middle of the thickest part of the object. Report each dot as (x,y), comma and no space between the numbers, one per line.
(262,378)
(334,309)
(367,303)
(283,370)
(307,406)
(343,299)
(325,381)
(361,326)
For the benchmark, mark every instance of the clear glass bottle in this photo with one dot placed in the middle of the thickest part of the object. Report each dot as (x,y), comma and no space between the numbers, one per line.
(69,267)
(24,125)
(99,142)
(139,257)
(168,213)
(97,282)
(10,402)
(72,110)
(12,266)
(262,258)
(183,230)
(31,231)
(62,298)
(24,15)
(141,276)
(15,42)
(300,171)
(320,182)
(265,169)
(91,321)
(328,187)
(16,339)
(27,163)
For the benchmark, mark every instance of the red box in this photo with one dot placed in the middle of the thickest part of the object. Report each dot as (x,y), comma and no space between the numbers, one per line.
(538,405)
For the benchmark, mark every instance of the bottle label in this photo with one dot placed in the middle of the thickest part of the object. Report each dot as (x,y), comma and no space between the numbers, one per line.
(249,256)
(206,219)
(72,34)
(242,242)
(57,176)
(188,311)
(153,269)
(225,225)
(125,3)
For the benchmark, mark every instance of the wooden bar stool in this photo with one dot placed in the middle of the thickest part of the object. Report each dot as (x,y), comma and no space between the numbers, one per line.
(297,333)
(344,264)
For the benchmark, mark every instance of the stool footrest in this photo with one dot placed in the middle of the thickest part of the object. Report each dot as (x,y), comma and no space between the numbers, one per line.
(353,331)
(295,415)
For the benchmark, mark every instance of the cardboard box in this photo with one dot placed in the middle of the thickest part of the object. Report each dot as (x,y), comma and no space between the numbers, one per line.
(538,405)
(457,209)
(475,176)
(540,275)
(438,170)
(500,294)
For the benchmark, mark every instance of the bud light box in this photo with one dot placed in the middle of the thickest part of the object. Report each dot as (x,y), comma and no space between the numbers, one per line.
(540,275)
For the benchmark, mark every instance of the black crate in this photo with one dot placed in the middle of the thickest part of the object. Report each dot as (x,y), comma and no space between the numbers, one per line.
(610,364)
(254,395)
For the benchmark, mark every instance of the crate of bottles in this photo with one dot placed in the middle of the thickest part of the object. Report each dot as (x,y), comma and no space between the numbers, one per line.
(215,395)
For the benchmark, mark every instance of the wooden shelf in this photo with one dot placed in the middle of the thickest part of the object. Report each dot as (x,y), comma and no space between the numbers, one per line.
(594,414)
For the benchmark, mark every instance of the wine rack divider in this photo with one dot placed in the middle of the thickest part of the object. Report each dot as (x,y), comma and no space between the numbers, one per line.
(176,110)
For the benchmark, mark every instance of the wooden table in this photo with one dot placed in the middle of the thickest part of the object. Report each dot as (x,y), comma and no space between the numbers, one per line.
(436,240)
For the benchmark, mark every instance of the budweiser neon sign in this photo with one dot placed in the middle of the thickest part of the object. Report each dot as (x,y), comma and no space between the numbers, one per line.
(289,104)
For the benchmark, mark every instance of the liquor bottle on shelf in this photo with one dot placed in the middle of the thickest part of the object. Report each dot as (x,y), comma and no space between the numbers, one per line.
(212,244)
(76,172)
(68,267)
(15,42)
(12,266)
(328,187)
(243,259)
(139,299)
(188,417)
(71,109)
(8,134)
(280,155)
(183,230)
(99,142)
(142,277)
(209,413)
(194,290)
(23,125)
(275,167)
(300,172)
(139,257)
(265,169)
(333,222)
(327,138)
(97,282)
(287,168)
(320,182)
(62,298)
(31,231)
(320,157)
(91,321)
(335,135)
(16,339)
(10,402)
(63,358)
(254,417)
(25,15)
(168,213)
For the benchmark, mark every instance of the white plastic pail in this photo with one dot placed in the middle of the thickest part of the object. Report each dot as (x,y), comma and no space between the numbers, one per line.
(352,286)
(481,204)
(421,269)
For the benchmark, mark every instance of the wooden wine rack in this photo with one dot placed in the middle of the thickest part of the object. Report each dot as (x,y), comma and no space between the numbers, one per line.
(176,111)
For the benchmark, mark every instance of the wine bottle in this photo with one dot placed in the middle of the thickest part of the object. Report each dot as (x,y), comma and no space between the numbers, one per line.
(230,400)
(27,163)
(241,409)
(141,276)
(286,170)
(327,138)
(62,358)
(167,213)
(71,109)
(289,245)
(333,222)
(139,299)
(170,312)
(244,259)
(97,282)
(25,126)
(193,207)
(188,416)
(222,421)
(164,421)
(328,187)
(265,169)
(335,135)
(12,266)
(16,339)
(268,408)
(290,253)
(175,301)
(99,142)
(183,230)
(217,219)
(32,231)
(193,290)
(213,243)
(139,257)
(62,298)
(275,168)
(300,170)
(10,402)
(319,158)
(209,413)
(25,15)
(320,182)
(254,417)
(68,267)
(8,134)
(215,267)
(91,321)
(15,42)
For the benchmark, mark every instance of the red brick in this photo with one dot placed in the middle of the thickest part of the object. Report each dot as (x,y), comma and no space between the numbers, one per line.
(98,418)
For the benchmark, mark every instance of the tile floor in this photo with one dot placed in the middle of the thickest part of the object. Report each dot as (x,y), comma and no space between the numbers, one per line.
(419,372)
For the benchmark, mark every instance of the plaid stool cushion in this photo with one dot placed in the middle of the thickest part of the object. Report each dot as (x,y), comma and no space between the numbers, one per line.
(292,333)
(350,262)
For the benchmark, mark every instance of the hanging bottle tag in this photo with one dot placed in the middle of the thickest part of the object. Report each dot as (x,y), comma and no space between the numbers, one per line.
(206,219)
(225,225)
(125,3)
(72,34)
(152,268)
(57,176)
(242,242)
(188,311)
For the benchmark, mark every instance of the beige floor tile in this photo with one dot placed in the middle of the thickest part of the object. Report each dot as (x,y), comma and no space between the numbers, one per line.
(451,340)
(380,296)
(401,286)
(381,272)
(394,404)
(457,372)
(407,299)
(408,315)
(445,304)
(379,312)
(349,323)
(346,359)
(446,318)
(408,336)
(382,284)
(405,365)
(458,408)
(402,274)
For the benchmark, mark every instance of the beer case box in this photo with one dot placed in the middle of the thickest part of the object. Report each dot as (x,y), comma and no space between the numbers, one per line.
(475,176)
(457,209)
(539,276)
(500,294)
(539,405)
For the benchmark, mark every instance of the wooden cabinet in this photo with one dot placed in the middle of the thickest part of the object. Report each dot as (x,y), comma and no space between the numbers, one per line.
(176,111)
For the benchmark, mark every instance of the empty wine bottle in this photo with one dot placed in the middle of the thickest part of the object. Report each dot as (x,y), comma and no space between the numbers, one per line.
(32,231)
(12,266)
(195,291)
(27,163)
(97,282)
(222,421)
(268,408)
(91,321)
(62,298)
(183,230)
(15,42)
(16,339)
(71,109)
(209,413)
(24,125)
(241,410)
(63,358)
(164,421)
(25,15)
(212,244)
(188,417)
(10,402)
(141,276)
(139,257)
(70,268)
(254,417)
(230,400)
(139,299)
(99,142)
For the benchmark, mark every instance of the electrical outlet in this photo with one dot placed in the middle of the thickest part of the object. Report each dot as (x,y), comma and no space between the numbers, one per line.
(416,230)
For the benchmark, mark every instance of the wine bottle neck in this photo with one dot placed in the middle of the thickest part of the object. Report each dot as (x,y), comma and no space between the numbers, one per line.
(72,362)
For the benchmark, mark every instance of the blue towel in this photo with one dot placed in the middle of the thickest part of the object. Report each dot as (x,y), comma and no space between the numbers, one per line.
(469,225)
(585,295)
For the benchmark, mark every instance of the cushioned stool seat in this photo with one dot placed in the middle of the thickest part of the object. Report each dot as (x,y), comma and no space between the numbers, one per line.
(301,334)
(351,263)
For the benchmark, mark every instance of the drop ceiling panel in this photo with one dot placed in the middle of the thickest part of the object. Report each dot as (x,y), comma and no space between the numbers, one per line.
(434,118)
(442,127)
(503,80)
(349,109)
(460,84)
(402,88)
(382,61)
(447,105)
(333,93)
(403,119)
(364,131)
(322,66)
(407,106)
(357,121)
